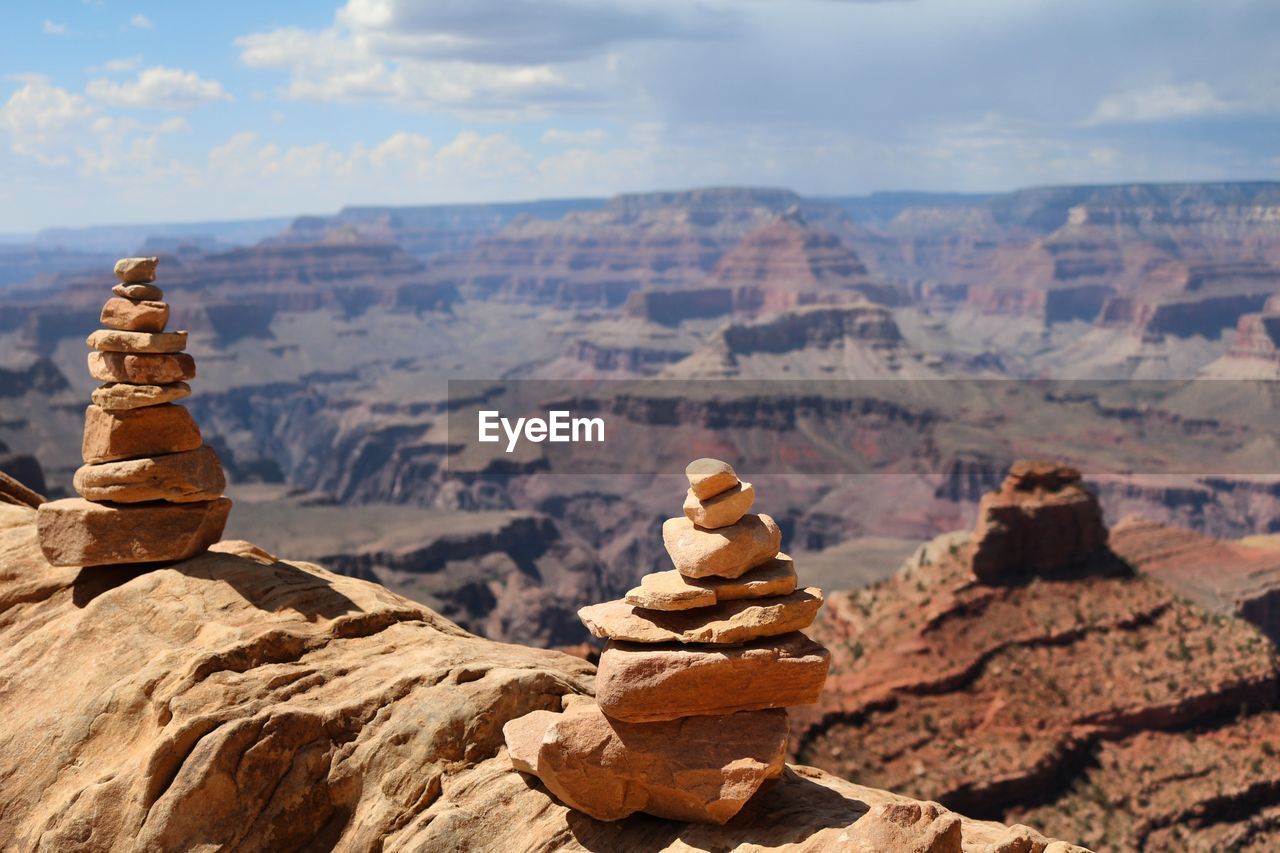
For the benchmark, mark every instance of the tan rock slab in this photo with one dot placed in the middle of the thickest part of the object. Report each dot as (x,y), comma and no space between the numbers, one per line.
(14,492)
(119,396)
(673,591)
(195,475)
(150,431)
(720,510)
(138,291)
(699,769)
(708,477)
(246,550)
(136,270)
(727,552)
(76,532)
(669,591)
(524,738)
(114,340)
(640,683)
(141,369)
(729,623)
(134,315)
(776,577)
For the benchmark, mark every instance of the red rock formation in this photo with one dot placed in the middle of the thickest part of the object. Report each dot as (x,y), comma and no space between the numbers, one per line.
(1041,520)
(1096,704)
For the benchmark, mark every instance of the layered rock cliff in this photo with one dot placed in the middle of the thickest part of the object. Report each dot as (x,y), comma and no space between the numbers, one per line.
(241,702)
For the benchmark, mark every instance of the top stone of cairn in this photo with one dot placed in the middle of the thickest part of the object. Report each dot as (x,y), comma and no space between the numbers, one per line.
(136,270)
(710,477)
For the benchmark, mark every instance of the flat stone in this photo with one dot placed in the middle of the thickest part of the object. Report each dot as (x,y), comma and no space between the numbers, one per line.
(699,769)
(708,477)
(729,623)
(134,315)
(669,591)
(136,270)
(642,683)
(195,475)
(119,396)
(114,340)
(727,552)
(138,291)
(76,532)
(141,369)
(776,577)
(150,431)
(673,591)
(524,738)
(720,510)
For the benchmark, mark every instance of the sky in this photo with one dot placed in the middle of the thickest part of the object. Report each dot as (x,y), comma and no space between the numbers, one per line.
(124,111)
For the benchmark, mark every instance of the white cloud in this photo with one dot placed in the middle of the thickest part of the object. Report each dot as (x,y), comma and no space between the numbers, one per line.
(159,88)
(116,66)
(485,59)
(1159,103)
(58,128)
(141,22)
(507,33)
(40,116)
(52,29)
(555,136)
(330,66)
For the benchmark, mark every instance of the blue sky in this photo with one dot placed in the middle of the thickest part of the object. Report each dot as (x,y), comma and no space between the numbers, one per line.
(115,111)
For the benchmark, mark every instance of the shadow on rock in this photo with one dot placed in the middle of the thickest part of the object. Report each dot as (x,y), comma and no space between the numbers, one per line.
(788,812)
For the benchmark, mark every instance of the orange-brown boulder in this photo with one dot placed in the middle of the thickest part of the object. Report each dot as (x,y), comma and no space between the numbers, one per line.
(141,369)
(114,340)
(729,623)
(720,510)
(77,532)
(134,315)
(136,270)
(194,475)
(641,683)
(708,477)
(728,552)
(149,431)
(148,292)
(119,396)
(698,769)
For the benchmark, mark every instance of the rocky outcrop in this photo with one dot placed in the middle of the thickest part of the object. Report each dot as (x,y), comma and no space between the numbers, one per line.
(1239,579)
(600,258)
(246,702)
(345,276)
(847,341)
(1041,521)
(1098,704)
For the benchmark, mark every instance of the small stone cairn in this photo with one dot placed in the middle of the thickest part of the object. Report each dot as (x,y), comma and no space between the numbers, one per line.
(689,720)
(151,491)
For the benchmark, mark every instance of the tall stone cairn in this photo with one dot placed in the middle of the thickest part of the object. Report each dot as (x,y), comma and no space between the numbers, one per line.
(150,490)
(701,662)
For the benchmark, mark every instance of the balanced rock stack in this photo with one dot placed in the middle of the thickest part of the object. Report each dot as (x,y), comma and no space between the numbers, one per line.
(701,661)
(150,490)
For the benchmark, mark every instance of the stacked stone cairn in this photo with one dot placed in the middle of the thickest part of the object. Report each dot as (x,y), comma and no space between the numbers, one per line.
(150,490)
(701,662)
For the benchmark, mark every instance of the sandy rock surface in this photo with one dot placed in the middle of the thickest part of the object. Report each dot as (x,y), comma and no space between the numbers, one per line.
(221,702)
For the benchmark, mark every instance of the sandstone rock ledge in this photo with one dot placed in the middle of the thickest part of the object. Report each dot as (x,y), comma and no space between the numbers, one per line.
(233,701)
